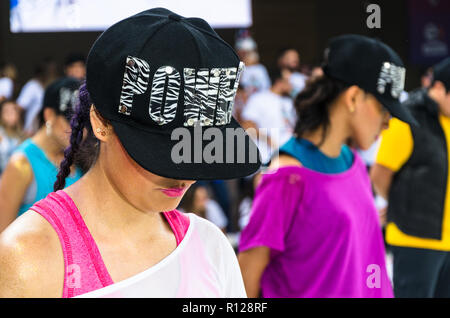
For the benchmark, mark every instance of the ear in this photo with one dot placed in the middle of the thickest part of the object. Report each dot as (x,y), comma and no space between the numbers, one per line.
(438,85)
(101,130)
(49,114)
(351,97)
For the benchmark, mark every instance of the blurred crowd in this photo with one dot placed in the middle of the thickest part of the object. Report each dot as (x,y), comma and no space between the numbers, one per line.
(264,101)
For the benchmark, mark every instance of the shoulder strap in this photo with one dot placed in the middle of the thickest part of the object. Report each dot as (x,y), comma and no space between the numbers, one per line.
(179,222)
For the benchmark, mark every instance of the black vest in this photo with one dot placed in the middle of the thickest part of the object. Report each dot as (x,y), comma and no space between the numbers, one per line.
(418,190)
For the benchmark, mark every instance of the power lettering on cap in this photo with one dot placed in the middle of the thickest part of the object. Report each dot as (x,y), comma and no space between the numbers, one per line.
(135,82)
(394,75)
(208,93)
(163,104)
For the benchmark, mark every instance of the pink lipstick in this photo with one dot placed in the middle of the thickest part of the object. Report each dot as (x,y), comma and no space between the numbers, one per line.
(173,192)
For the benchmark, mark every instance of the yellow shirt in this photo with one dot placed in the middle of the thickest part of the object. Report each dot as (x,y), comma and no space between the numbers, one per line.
(395,149)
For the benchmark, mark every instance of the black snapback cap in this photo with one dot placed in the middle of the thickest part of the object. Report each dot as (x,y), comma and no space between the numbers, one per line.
(371,65)
(159,77)
(62,96)
(441,72)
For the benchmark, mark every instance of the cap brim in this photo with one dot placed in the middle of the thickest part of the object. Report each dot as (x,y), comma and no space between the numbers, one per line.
(396,109)
(153,152)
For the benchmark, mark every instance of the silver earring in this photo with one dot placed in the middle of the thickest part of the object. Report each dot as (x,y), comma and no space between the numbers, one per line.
(48,126)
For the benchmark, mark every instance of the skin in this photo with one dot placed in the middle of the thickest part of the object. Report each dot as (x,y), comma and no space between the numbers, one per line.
(18,174)
(281,87)
(382,176)
(76,70)
(354,114)
(124,221)
(290,60)
(10,115)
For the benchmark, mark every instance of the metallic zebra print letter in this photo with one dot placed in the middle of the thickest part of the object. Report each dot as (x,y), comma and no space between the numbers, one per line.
(164,97)
(227,92)
(207,113)
(135,82)
(196,94)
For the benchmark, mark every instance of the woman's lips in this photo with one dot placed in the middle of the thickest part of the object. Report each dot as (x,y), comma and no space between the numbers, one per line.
(173,192)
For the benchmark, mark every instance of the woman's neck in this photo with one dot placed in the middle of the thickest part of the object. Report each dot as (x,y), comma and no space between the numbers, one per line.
(52,149)
(110,211)
(335,137)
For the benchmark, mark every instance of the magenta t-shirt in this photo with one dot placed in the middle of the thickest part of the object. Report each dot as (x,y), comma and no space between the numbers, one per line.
(323,231)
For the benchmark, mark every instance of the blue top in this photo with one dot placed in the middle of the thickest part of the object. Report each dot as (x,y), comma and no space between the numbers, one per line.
(44,172)
(312,158)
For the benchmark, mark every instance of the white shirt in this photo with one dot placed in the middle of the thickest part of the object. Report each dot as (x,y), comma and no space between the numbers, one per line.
(298,82)
(275,115)
(6,87)
(204,265)
(255,78)
(30,99)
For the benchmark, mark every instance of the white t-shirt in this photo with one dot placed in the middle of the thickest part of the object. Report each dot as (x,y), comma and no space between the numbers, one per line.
(298,82)
(6,87)
(255,78)
(275,114)
(30,99)
(204,265)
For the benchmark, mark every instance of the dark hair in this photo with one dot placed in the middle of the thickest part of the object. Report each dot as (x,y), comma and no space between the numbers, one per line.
(74,57)
(274,75)
(85,152)
(313,104)
(283,51)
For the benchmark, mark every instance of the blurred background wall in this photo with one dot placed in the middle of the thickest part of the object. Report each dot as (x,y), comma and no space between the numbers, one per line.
(302,24)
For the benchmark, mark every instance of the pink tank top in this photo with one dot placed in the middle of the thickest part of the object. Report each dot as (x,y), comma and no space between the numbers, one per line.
(84,267)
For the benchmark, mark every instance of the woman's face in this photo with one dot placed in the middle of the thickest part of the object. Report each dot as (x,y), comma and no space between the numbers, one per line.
(200,198)
(142,189)
(59,130)
(10,114)
(369,118)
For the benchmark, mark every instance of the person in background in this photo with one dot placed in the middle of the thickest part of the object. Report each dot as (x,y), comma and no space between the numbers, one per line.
(412,173)
(273,111)
(11,134)
(289,60)
(314,229)
(316,71)
(255,77)
(427,78)
(75,66)
(31,171)
(8,75)
(32,93)
(197,200)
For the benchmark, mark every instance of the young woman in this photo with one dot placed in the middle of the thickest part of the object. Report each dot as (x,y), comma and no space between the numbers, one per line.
(115,232)
(31,171)
(314,229)
(11,134)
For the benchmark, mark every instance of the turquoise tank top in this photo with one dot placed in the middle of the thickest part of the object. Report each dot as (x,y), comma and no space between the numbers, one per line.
(44,172)
(312,158)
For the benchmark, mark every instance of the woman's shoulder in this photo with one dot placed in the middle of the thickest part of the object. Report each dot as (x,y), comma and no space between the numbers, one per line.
(284,160)
(205,227)
(282,167)
(31,258)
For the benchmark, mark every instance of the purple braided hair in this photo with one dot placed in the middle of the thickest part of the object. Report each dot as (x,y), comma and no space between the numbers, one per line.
(79,121)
